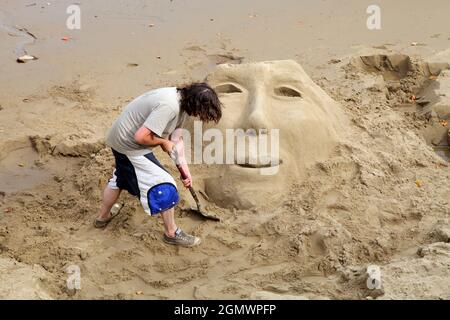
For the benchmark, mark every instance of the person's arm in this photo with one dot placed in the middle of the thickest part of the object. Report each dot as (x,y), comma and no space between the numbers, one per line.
(147,137)
(177,138)
(153,127)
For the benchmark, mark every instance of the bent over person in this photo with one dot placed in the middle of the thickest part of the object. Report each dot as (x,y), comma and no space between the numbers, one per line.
(151,120)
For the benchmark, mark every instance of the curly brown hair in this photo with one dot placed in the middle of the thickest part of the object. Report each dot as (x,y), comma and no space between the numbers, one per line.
(200,100)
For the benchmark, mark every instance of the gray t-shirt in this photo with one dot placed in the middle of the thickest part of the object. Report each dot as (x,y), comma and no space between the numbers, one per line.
(158,110)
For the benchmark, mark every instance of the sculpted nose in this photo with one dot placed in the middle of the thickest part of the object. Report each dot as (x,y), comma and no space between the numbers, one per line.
(257,117)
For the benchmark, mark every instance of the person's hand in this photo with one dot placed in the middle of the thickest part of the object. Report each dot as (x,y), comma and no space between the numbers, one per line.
(187,182)
(167,146)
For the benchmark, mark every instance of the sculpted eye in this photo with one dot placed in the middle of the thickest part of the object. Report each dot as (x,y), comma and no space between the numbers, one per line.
(287,92)
(227,88)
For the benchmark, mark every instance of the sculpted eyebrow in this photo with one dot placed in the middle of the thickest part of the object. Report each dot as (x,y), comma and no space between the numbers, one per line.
(236,80)
(286,80)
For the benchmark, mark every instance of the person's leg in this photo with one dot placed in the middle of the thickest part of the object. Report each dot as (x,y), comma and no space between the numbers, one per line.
(173,234)
(169,222)
(157,190)
(110,197)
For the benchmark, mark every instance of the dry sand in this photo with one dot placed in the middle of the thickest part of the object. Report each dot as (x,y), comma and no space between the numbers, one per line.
(382,196)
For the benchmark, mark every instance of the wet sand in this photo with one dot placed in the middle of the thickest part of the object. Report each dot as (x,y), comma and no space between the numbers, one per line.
(115,34)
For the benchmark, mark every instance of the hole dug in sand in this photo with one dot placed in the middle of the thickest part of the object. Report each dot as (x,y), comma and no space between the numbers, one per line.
(416,86)
(23,168)
(20,170)
(403,77)
(29,163)
(392,67)
(434,105)
(396,67)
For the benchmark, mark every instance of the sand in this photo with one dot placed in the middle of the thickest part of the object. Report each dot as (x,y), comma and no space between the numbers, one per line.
(378,196)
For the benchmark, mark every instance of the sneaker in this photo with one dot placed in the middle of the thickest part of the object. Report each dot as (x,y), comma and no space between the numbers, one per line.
(182,239)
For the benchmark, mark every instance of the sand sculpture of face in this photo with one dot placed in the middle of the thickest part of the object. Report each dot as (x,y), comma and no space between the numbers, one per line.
(272,95)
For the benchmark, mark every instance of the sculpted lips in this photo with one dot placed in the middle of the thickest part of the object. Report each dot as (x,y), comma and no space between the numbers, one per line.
(261,162)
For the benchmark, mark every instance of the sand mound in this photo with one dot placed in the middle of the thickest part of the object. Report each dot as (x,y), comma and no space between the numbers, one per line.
(421,277)
(23,282)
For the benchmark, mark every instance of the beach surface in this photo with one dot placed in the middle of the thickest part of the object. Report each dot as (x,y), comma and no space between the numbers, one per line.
(382,198)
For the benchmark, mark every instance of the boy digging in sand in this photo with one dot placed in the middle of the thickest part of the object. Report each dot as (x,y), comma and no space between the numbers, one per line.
(148,121)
